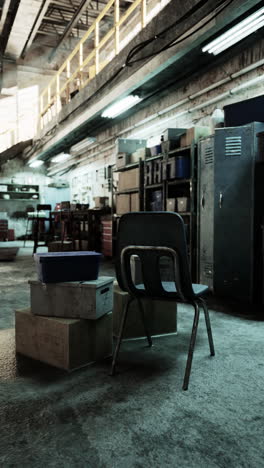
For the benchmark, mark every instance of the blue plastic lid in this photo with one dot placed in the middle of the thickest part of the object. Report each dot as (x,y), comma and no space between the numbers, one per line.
(63,255)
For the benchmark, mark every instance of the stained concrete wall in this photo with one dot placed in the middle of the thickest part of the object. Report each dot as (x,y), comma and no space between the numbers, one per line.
(134,126)
(184,106)
(15,211)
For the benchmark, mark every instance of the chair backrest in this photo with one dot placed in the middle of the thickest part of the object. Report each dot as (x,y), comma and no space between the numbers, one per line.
(155,229)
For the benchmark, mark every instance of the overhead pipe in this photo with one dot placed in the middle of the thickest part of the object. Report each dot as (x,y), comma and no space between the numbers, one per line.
(189,98)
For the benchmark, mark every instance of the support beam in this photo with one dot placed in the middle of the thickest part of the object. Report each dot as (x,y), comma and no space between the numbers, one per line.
(56,22)
(36,27)
(78,13)
(25,19)
(4,14)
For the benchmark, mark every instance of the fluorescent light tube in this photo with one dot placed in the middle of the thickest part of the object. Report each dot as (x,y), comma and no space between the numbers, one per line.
(121,106)
(236,34)
(36,163)
(237,37)
(60,157)
(82,144)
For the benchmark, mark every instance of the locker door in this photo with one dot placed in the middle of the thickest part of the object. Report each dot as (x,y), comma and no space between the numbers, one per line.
(234,211)
(206,210)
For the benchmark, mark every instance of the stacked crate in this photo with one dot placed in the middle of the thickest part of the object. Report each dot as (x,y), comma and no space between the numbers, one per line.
(69,324)
(3,229)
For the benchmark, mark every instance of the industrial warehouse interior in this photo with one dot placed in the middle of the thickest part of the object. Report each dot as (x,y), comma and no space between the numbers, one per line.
(131,233)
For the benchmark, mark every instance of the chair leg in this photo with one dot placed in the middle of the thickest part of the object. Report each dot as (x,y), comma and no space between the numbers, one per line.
(191,346)
(146,330)
(26,235)
(208,326)
(120,336)
(36,235)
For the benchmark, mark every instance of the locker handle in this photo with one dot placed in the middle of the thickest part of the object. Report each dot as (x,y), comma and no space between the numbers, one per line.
(202,201)
(220,200)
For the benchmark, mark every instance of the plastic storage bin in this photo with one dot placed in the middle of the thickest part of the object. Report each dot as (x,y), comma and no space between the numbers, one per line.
(56,267)
(183,167)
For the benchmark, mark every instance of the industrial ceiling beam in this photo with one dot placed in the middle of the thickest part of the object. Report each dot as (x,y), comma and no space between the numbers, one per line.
(63,23)
(36,26)
(4,14)
(78,13)
(24,21)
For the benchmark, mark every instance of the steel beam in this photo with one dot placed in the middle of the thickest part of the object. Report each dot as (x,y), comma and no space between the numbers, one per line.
(4,14)
(78,13)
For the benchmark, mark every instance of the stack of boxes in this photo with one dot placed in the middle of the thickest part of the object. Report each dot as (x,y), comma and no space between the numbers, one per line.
(3,229)
(129,151)
(69,324)
(125,202)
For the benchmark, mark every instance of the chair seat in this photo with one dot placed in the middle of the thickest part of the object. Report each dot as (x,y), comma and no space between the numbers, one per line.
(169,286)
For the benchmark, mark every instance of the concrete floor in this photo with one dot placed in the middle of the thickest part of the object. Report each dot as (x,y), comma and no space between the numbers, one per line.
(141,417)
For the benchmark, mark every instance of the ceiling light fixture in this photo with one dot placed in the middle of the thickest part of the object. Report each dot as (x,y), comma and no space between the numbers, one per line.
(121,106)
(82,144)
(60,157)
(243,29)
(36,163)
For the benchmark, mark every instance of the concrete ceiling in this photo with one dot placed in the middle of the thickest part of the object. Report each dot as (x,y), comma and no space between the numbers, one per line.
(150,82)
(47,23)
(56,18)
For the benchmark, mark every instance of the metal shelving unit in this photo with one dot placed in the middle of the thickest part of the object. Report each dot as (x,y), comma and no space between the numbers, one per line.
(169,188)
(19,192)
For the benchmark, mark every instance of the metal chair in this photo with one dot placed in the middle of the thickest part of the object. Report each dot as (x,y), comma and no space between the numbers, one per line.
(152,235)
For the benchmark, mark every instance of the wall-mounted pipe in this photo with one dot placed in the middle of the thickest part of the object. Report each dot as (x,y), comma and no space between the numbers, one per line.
(191,97)
(184,101)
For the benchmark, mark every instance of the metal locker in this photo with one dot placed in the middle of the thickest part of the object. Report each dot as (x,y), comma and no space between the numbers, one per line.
(206,210)
(229,218)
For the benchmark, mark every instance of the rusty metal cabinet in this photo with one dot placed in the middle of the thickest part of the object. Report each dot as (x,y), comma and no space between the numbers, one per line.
(231,185)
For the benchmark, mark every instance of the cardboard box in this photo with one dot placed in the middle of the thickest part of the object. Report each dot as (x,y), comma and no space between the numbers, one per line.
(101,202)
(122,159)
(183,204)
(64,343)
(161,316)
(122,203)
(140,153)
(134,202)
(173,133)
(129,146)
(128,179)
(171,204)
(194,133)
(88,299)
(8,253)
(183,141)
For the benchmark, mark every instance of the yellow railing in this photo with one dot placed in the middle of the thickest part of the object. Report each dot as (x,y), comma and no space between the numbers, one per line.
(77,71)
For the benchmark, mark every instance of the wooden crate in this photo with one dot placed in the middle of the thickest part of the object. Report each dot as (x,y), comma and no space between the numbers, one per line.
(58,246)
(8,253)
(161,316)
(86,299)
(64,343)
